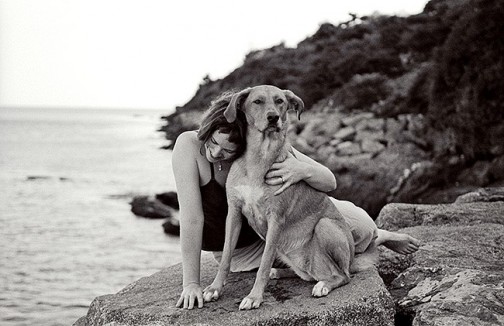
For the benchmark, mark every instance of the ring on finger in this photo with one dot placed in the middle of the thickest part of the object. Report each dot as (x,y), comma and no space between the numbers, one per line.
(281,178)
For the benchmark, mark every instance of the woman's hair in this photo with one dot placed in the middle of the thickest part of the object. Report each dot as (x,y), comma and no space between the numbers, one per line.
(214,119)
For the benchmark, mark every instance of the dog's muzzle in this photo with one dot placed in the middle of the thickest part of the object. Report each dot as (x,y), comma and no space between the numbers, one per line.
(273,123)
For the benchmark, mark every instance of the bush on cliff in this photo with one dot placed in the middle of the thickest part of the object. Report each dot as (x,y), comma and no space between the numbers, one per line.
(467,96)
(432,81)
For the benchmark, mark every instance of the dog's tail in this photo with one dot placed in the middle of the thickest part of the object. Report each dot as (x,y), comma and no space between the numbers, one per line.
(366,260)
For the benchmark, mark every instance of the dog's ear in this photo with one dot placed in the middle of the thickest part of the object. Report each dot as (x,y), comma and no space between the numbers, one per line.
(295,103)
(235,104)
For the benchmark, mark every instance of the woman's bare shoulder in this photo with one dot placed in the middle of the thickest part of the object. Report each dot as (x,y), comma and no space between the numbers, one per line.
(187,142)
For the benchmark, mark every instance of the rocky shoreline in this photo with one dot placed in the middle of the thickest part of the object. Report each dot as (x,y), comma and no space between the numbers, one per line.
(456,278)
(408,117)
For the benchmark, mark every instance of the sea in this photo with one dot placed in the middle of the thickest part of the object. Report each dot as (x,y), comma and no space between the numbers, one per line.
(67,234)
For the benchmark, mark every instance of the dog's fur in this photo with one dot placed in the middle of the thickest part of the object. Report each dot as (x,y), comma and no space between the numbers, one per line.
(301,225)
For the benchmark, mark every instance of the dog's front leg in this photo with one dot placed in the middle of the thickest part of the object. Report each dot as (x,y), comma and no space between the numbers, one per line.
(255,297)
(233,227)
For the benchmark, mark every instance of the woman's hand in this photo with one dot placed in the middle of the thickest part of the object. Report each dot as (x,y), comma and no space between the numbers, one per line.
(285,173)
(189,296)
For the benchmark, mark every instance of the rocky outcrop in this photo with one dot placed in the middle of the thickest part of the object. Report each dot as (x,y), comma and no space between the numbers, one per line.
(457,276)
(151,301)
(371,156)
(379,160)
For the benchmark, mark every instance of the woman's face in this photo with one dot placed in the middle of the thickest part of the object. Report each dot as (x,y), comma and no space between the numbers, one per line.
(218,148)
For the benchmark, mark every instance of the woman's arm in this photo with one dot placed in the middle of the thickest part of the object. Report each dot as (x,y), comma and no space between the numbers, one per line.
(299,167)
(186,173)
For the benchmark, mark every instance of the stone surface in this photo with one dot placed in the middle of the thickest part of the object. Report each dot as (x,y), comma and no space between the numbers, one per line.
(482,195)
(457,276)
(169,198)
(151,301)
(150,207)
(397,216)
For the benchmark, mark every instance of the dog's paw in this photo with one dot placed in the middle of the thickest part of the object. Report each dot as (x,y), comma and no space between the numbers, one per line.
(211,293)
(320,289)
(250,303)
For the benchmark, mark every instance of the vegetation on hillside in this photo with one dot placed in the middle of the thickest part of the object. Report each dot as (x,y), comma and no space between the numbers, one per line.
(441,72)
(446,62)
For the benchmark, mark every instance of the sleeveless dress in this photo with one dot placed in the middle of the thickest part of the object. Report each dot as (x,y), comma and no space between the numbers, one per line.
(215,208)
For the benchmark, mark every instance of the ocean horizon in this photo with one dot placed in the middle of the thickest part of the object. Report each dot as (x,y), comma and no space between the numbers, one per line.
(67,233)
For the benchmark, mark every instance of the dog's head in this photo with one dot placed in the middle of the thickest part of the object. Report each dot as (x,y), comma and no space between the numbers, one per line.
(264,106)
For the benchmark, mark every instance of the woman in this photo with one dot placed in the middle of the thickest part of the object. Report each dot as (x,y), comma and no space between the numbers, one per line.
(201,161)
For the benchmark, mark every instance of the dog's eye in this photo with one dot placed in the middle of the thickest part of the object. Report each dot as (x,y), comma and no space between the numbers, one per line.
(279,101)
(257,102)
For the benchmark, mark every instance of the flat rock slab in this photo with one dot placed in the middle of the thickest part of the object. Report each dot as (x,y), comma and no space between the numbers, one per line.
(151,301)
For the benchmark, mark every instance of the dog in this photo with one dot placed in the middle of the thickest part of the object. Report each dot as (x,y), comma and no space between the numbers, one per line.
(301,226)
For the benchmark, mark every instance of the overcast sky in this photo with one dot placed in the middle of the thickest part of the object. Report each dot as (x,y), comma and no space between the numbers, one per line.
(147,53)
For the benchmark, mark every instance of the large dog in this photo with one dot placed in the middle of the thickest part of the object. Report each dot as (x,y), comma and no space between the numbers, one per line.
(301,226)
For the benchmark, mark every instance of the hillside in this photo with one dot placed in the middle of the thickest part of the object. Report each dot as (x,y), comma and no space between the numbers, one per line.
(402,109)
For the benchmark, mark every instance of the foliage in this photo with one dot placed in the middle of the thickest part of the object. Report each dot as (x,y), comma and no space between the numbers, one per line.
(446,63)
(467,95)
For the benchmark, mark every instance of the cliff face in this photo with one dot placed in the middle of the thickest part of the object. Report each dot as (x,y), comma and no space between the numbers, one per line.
(400,108)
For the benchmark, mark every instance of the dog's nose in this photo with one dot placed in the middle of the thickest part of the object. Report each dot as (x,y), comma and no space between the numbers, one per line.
(273,118)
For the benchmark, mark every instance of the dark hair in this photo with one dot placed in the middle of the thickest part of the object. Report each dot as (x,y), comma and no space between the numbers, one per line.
(214,119)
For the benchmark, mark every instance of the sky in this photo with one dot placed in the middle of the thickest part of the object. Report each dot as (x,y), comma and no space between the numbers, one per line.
(148,54)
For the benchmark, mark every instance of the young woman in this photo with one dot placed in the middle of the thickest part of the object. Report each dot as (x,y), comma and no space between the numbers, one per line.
(201,160)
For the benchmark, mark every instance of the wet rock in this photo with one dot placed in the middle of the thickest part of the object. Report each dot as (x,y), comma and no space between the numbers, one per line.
(169,198)
(172,226)
(150,207)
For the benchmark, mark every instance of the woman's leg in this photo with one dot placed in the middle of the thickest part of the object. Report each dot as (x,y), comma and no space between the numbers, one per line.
(364,230)
(244,259)
(249,258)
(399,242)
(362,226)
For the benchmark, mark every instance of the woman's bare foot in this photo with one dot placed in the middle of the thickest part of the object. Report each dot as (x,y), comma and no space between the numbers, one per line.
(399,242)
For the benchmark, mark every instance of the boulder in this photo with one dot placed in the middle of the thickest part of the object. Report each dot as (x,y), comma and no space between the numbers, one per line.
(397,216)
(149,207)
(151,301)
(169,198)
(457,276)
(348,148)
(172,226)
(345,134)
(371,146)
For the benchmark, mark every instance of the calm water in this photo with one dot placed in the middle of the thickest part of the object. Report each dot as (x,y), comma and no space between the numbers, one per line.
(66,231)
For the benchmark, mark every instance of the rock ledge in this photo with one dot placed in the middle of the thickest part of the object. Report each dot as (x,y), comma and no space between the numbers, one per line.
(151,300)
